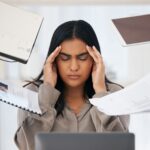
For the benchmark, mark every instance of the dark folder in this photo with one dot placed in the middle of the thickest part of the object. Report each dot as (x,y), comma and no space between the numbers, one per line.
(135,29)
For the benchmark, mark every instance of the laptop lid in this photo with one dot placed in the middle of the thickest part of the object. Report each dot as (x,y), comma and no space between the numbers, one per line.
(84,141)
(133,30)
(18,32)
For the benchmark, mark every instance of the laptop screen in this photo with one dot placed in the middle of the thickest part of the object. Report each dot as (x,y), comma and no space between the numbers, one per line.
(84,141)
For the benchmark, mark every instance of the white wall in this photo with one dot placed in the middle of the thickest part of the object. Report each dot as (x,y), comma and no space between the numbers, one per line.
(8,126)
(115,57)
(78,1)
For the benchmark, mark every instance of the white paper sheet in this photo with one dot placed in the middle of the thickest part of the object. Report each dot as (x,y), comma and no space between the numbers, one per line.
(134,98)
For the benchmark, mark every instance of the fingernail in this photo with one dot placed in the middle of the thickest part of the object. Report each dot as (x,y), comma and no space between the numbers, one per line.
(87,46)
(57,47)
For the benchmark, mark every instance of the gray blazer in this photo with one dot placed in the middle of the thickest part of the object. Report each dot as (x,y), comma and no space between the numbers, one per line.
(90,119)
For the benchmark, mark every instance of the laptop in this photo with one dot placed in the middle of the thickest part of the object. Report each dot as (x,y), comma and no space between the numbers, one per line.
(133,30)
(18,32)
(84,141)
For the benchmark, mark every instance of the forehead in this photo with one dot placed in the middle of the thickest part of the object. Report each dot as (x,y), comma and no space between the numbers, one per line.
(73,46)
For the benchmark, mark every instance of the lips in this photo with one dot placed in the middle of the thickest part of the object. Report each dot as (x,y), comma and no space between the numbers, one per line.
(73,76)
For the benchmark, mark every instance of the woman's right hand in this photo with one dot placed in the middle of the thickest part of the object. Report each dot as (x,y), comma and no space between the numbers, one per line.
(50,71)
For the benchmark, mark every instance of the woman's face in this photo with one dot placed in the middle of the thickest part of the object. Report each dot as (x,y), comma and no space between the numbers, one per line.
(74,63)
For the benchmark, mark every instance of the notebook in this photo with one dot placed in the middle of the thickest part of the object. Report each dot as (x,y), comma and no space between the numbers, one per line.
(18,32)
(133,30)
(19,97)
(85,141)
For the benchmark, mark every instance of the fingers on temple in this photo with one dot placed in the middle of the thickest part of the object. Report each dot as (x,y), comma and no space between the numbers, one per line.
(92,53)
(53,55)
(98,54)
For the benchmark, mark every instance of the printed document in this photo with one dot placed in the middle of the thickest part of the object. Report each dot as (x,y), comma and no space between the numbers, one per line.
(134,98)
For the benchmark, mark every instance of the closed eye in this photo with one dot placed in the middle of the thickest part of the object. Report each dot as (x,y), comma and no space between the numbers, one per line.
(64,57)
(83,57)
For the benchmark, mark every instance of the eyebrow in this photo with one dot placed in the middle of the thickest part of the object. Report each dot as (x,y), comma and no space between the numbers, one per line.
(84,53)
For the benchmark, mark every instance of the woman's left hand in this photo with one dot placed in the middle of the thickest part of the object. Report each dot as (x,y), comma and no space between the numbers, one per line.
(98,70)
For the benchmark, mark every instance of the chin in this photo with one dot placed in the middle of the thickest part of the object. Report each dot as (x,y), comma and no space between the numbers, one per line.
(74,84)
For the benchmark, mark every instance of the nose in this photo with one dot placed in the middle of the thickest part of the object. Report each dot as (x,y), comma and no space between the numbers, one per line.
(74,65)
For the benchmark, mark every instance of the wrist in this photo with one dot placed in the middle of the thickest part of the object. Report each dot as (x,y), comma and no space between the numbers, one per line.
(47,82)
(100,89)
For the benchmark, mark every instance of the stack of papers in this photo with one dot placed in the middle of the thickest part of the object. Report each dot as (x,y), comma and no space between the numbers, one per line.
(134,98)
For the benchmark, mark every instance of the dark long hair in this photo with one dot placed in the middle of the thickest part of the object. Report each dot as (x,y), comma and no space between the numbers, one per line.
(69,30)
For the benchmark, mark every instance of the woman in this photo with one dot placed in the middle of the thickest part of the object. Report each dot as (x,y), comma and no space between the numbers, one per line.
(73,73)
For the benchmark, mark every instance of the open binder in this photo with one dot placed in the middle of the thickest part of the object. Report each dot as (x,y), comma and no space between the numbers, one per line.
(18,32)
(19,97)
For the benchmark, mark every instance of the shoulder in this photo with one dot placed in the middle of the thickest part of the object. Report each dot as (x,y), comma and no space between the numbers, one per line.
(112,87)
(33,86)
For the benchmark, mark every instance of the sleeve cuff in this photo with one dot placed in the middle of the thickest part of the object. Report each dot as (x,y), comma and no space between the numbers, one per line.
(101,94)
(48,95)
